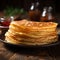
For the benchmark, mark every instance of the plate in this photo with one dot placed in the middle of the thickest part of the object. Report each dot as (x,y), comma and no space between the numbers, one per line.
(24,45)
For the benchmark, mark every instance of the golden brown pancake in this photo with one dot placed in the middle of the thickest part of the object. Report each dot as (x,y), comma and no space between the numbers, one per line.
(30,32)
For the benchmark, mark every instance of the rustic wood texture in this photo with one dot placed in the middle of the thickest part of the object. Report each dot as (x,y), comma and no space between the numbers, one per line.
(26,53)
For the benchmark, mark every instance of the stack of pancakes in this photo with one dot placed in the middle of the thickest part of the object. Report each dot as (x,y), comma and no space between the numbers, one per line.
(31,33)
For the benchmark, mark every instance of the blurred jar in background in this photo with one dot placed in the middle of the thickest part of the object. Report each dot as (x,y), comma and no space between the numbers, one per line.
(47,15)
(6,21)
(34,12)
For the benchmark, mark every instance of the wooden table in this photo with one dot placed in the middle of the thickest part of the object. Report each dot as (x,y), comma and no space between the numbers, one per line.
(26,53)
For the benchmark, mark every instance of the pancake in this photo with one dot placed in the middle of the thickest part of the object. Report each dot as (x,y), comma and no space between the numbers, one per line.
(30,32)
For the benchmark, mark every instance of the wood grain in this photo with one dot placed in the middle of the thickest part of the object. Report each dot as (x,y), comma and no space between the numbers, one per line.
(50,53)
